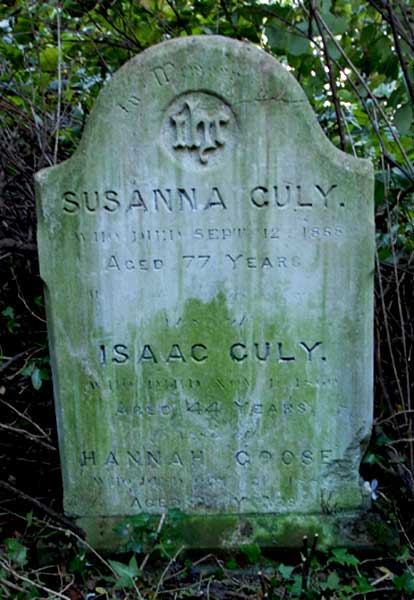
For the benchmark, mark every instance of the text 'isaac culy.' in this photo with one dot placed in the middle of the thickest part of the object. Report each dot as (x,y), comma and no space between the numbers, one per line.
(199,353)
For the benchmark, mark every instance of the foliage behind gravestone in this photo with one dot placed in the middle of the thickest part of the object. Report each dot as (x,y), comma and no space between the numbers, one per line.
(355,62)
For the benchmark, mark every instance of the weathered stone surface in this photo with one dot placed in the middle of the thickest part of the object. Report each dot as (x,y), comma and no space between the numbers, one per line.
(208,262)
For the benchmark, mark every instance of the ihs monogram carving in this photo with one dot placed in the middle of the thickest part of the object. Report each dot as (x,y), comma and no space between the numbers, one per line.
(198,128)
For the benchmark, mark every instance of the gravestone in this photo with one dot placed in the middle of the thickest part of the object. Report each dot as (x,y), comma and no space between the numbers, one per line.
(207,257)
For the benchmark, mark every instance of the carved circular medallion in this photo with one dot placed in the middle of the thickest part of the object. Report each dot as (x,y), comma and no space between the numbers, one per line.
(198,129)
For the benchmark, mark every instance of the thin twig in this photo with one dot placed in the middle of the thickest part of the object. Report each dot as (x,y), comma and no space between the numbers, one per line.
(26,418)
(111,23)
(10,569)
(332,83)
(22,298)
(17,245)
(165,571)
(393,416)
(381,8)
(402,321)
(13,586)
(376,590)
(194,564)
(27,359)
(387,329)
(160,524)
(399,52)
(82,540)
(28,435)
(13,359)
(45,509)
(402,325)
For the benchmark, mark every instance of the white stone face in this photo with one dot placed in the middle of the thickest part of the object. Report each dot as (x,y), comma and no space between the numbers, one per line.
(208,262)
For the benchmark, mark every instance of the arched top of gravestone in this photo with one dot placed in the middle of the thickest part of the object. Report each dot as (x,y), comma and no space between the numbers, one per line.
(198,104)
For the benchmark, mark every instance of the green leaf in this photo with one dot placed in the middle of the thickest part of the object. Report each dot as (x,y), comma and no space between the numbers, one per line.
(78,9)
(36,378)
(332,582)
(78,564)
(252,551)
(404,582)
(333,50)
(296,44)
(139,521)
(49,59)
(135,546)
(370,458)
(385,255)
(137,524)
(8,312)
(296,587)
(175,516)
(403,554)
(277,37)
(24,30)
(124,571)
(363,585)
(16,552)
(337,25)
(286,41)
(325,6)
(341,556)
(403,119)
(285,570)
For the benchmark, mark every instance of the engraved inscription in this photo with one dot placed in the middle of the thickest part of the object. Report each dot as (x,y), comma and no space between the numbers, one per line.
(132,101)
(228,234)
(151,478)
(156,458)
(197,128)
(150,199)
(198,352)
(164,73)
(195,263)
(244,409)
(173,384)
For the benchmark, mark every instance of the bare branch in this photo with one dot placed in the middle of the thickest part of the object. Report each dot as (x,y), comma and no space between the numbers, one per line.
(43,508)
(399,53)
(332,83)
